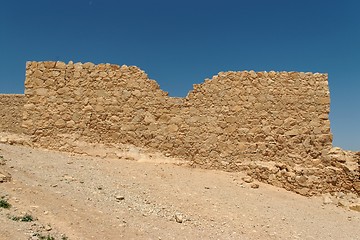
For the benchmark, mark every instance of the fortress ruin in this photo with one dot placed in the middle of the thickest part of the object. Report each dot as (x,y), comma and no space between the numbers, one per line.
(273,125)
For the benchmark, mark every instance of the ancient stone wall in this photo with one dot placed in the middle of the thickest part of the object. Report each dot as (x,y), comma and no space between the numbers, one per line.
(232,118)
(11,110)
(274,125)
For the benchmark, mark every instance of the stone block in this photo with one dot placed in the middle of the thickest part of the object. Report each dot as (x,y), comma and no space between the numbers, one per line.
(324,100)
(60,123)
(292,132)
(60,65)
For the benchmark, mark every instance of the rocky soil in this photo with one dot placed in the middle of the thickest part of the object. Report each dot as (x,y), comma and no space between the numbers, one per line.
(69,196)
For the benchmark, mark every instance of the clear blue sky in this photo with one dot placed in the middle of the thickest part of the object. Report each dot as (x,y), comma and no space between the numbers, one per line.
(179,43)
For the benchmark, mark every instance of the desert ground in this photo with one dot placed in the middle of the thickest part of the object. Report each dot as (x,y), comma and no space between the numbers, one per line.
(72,196)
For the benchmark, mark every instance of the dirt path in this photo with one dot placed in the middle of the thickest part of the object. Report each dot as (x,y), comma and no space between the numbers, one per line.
(79,197)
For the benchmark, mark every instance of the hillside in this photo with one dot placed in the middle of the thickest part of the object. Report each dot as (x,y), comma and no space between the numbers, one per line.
(145,196)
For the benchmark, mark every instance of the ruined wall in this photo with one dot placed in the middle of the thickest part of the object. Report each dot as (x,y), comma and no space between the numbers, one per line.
(273,125)
(11,110)
(234,117)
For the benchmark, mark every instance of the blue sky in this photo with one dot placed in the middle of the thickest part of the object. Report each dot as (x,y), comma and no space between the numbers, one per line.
(180,43)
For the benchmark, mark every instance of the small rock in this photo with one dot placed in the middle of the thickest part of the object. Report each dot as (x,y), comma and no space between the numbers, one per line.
(48,228)
(343,203)
(340,195)
(178,217)
(327,199)
(355,208)
(254,185)
(119,197)
(2,178)
(248,179)
(356,186)
(351,196)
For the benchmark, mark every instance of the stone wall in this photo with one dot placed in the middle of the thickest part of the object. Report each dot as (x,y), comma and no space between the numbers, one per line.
(11,110)
(270,124)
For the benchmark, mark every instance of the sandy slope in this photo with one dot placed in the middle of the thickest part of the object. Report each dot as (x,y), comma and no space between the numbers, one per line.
(81,197)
